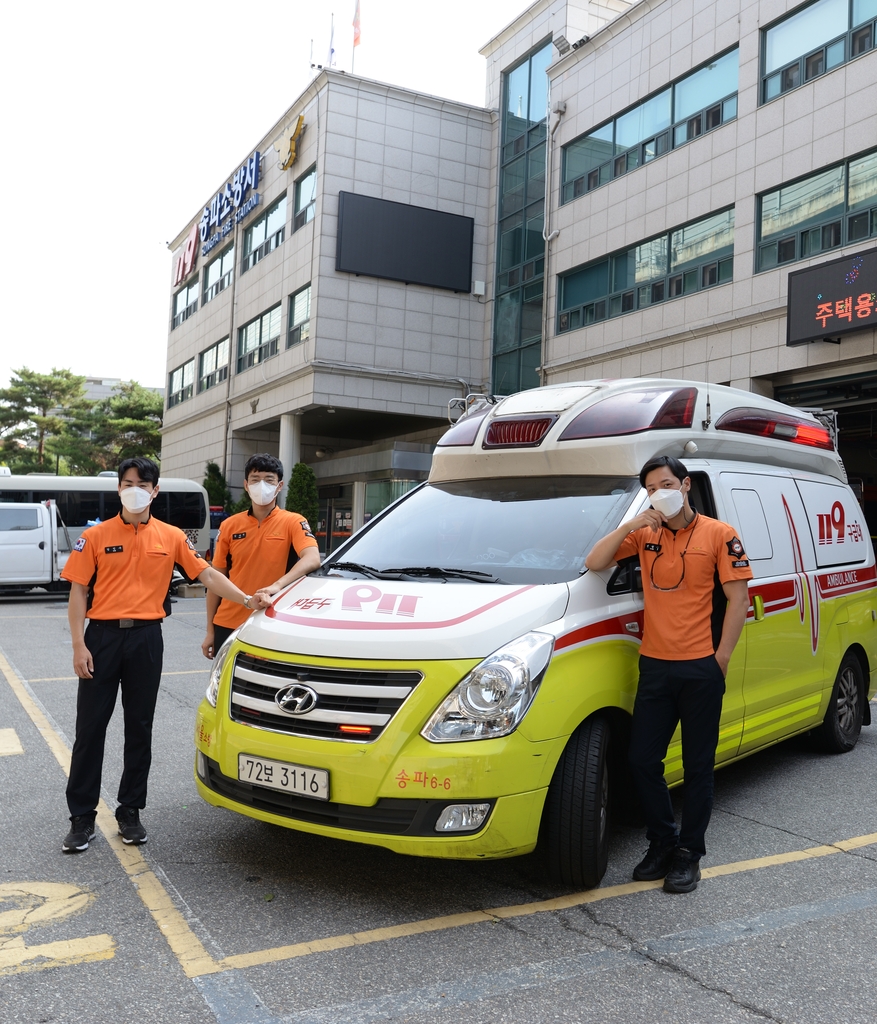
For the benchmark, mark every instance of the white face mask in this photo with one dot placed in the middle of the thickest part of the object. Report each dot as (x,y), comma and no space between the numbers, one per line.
(667,501)
(262,493)
(136,499)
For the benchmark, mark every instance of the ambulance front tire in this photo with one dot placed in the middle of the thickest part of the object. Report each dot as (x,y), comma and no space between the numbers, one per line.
(575,835)
(842,724)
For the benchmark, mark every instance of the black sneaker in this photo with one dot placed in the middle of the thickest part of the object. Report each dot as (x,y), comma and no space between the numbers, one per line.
(80,835)
(656,862)
(130,828)
(684,873)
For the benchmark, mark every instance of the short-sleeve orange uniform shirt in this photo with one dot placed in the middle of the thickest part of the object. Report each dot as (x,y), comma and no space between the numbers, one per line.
(682,576)
(129,570)
(255,554)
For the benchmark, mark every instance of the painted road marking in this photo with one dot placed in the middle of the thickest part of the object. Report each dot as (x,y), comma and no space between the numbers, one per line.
(10,743)
(39,903)
(197,962)
(185,945)
(75,679)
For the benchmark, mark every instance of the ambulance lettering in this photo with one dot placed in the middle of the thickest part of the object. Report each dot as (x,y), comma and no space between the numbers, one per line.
(354,598)
(832,524)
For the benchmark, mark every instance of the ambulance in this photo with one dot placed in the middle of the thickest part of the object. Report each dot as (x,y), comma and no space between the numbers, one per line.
(454,683)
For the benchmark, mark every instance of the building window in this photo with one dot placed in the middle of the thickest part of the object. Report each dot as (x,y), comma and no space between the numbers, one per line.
(821,212)
(517,328)
(265,234)
(180,383)
(698,103)
(218,275)
(815,39)
(185,303)
(686,260)
(305,199)
(299,316)
(213,365)
(257,340)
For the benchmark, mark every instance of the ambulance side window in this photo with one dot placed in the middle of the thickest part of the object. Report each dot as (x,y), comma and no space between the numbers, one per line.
(626,579)
(752,524)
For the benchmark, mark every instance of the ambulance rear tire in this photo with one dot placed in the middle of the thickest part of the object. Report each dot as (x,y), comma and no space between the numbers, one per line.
(576,827)
(842,724)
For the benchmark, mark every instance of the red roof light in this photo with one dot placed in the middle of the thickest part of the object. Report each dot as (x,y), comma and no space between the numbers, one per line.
(782,426)
(632,412)
(518,433)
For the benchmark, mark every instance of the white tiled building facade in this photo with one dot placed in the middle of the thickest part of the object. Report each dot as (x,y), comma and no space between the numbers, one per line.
(697,154)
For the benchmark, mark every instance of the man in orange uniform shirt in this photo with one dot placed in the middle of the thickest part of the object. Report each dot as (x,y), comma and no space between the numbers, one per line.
(263,549)
(120,573)
(695,574)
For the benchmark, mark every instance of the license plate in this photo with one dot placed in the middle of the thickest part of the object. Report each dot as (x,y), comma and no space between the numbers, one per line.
(288,778)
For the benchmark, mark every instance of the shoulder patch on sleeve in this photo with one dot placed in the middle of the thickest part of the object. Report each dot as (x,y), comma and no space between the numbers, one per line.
(735,547)
(306,527)
(191,545)
(79,545)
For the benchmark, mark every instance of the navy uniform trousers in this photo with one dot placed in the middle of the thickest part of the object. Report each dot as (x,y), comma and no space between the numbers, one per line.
(129,659)
(669,693)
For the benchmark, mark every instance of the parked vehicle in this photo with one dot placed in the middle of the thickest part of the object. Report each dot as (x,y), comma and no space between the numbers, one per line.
(453,682)
(85,499)
(34,545)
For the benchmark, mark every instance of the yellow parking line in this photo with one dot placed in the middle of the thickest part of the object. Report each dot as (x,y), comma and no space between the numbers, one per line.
(196,961)
(73,679)
(185,945)
(10,743)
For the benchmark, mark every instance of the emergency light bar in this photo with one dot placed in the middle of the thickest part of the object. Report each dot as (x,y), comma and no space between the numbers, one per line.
(776,425)
(518,433)
(632,412)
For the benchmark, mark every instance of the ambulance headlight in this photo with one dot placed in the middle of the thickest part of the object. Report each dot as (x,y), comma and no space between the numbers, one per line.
(218,663)
(495,695)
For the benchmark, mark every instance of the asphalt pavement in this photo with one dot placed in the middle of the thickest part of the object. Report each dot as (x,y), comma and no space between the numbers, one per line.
(225,920)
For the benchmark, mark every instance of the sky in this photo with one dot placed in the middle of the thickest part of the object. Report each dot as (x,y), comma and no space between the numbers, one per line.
(121,120)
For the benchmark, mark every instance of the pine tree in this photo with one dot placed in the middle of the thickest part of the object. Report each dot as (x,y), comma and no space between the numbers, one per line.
(215,484)
(302,495)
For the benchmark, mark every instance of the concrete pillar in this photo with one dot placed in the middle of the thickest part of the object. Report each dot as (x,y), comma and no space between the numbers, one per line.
(358,512)
(290,448)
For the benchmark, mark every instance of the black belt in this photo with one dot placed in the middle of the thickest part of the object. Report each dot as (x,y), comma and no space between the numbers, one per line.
(125,623)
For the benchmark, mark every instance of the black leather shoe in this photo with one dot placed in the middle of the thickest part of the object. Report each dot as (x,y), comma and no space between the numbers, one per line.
(684,873)
(656,862)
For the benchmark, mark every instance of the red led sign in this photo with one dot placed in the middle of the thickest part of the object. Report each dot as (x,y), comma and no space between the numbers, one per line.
(832,299)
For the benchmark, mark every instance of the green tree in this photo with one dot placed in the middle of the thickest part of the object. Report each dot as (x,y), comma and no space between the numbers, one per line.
(34,411)
(216,486)
(302,495)
(129,423)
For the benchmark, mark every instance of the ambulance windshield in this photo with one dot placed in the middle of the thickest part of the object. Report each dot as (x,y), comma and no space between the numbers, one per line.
(522,530)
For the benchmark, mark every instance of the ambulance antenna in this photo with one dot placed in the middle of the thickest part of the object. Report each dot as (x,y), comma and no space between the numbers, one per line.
(705,423)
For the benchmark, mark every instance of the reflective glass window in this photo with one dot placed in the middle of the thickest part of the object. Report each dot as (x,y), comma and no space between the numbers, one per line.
(863,181)
(538,107)
(585,285)
(706,86)
(803,203)
(535,244)
(863,10)
(591,151)
(804,31)
(642,122)
(508,321)
(651,259)
(517,101)
(712,236)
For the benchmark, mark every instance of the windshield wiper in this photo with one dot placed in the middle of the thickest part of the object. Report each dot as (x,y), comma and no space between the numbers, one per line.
(437,573)
(366,570)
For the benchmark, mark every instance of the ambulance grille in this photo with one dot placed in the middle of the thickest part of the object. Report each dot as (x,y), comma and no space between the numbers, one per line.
(351,704)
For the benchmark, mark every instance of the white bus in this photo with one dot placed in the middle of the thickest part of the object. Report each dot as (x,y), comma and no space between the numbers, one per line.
(84,500)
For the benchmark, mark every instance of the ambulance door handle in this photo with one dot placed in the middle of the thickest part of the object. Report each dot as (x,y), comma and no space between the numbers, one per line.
(758,607)
(42,545)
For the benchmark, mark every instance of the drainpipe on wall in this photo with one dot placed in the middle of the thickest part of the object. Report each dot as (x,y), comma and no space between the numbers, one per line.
(547,234)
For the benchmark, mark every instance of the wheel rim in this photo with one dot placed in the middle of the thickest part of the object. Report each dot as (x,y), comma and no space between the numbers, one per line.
(847,700)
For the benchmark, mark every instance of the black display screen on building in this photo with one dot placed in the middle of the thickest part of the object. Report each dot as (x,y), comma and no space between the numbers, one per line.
(399,242)
(832,299)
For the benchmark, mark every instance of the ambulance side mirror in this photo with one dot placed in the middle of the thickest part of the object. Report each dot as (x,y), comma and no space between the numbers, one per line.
(626,579)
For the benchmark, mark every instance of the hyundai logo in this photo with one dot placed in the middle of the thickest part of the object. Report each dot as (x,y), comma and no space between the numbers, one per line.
(296,699)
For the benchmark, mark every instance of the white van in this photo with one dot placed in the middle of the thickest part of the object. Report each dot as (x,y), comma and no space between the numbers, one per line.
(453,683)
(33,547)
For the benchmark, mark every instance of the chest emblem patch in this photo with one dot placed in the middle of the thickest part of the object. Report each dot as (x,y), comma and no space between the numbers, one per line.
(114,549)
(238,536)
